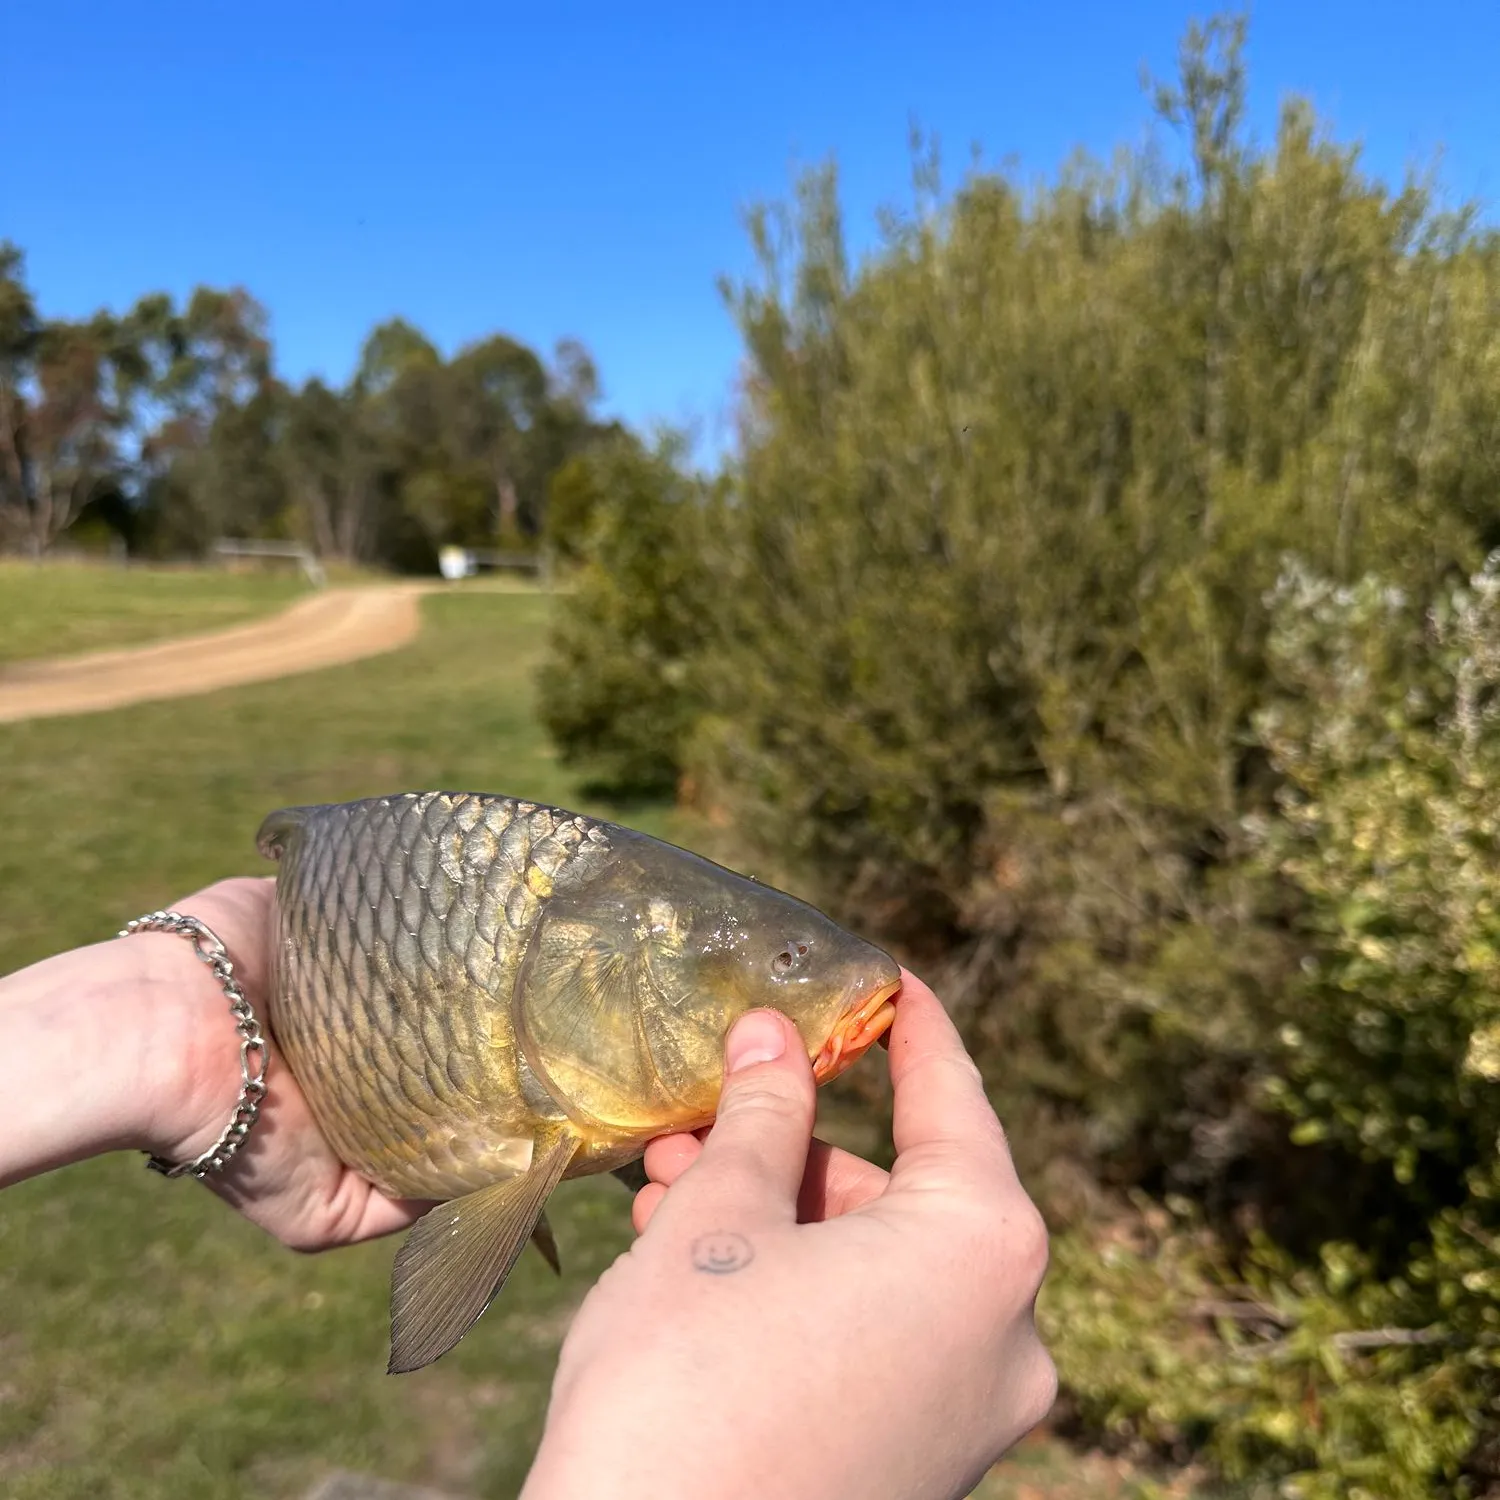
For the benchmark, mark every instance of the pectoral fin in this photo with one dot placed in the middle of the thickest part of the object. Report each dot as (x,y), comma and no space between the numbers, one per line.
(457,1256)
(545,1241)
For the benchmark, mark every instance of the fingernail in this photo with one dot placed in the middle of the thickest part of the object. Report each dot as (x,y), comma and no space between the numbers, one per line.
(756,1038)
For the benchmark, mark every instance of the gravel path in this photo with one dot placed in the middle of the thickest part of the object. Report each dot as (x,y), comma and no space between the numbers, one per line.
(333,626)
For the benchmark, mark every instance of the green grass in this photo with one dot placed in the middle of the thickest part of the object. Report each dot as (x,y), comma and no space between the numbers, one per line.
(151,1344)
(107,815)
(56,609)
(154,1345)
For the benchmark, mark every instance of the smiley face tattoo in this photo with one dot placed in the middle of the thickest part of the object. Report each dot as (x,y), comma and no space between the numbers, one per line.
(722,1254)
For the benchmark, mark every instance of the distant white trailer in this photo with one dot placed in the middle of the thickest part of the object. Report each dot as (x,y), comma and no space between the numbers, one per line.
(455,563)
(230,546)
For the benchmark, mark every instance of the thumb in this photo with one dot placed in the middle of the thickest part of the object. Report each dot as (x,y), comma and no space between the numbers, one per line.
(756,1152)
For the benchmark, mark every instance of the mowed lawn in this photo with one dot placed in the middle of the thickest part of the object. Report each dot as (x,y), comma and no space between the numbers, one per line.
(152,1344)
(58,609)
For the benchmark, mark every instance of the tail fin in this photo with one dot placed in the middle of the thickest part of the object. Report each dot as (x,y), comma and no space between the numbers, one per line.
(279,829)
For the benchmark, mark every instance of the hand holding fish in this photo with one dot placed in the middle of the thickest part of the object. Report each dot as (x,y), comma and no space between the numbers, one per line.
(474,997)
(125,1046)
(803,1324)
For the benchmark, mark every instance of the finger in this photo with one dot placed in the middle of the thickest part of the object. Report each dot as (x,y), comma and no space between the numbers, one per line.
(646,1202)
(939,1095)
(669,1156)
(317,1206)
(753,1160)
(835,1183)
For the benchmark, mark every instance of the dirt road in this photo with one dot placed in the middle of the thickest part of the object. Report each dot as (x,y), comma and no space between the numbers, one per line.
(334,626)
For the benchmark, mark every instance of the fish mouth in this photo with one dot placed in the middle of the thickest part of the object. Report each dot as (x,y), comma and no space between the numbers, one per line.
(856,1032)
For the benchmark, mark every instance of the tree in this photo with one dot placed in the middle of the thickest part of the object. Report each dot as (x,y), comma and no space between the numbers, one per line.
(627,647)
(71,427)
(329,461)
(175,412)
(63,403)
(201,406)
(392,350)
(498,395)
(19,334)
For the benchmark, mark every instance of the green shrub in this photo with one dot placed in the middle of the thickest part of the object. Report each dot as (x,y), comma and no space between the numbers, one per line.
(1364,1370)
(1292,1380)
(1389,828)
(993,649)
(616,691)
(991,618)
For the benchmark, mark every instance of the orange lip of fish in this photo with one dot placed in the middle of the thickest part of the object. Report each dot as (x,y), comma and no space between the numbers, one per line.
(858,1031)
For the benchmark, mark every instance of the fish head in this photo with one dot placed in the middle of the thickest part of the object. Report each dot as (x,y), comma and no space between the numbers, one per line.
(638,971)
(761,948)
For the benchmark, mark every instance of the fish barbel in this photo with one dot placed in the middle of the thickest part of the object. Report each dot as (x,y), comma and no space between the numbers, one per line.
(481,996)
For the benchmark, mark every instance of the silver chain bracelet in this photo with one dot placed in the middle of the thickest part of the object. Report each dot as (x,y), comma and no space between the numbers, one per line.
(252,1044)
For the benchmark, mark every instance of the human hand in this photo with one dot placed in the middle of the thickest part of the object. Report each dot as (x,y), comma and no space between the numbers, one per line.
(883,1347)
(128,1044)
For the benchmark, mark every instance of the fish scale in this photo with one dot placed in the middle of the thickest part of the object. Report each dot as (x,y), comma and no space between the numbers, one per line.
(395,1009)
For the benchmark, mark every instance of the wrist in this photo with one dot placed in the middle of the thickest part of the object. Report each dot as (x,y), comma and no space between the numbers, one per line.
(192,1075)
(127,1043)
(634,1438)
(78,1067)
(597,1442)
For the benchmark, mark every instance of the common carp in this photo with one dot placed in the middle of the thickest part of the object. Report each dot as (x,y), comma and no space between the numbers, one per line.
(482,996)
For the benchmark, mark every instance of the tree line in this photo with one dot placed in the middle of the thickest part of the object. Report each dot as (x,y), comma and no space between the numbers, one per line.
(168,426)
(1098,610)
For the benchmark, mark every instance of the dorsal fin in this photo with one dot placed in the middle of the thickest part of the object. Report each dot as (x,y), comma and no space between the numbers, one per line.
(277,830)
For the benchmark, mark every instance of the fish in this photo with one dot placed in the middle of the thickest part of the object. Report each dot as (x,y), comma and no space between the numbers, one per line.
(481,996)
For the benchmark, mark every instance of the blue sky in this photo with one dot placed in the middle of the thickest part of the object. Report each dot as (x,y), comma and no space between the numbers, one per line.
(569,169)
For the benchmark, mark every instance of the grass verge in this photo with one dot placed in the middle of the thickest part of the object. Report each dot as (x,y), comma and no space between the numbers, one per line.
(150,1343)
(58,609)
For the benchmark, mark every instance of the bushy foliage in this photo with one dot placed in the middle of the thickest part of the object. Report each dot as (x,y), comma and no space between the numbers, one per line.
(991,625)
(1389,827)
(1367,1368)
(617,692)
(996,650)
(1296,1381)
